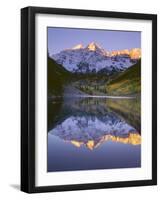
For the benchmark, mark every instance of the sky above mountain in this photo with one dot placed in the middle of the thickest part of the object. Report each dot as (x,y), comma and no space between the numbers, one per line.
(64,38)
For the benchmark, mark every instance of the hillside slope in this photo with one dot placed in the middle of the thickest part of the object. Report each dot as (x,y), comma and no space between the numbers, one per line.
(126,83)
(57,77)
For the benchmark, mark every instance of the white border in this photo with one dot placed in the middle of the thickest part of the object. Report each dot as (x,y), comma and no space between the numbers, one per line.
(92,176)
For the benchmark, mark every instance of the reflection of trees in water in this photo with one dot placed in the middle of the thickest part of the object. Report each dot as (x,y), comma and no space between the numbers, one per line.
(54,107)
(127,109)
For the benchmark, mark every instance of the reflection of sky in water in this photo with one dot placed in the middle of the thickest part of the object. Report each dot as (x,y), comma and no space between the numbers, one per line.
(90,139)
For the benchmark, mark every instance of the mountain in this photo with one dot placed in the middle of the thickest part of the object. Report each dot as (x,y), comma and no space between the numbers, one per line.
(57,77)
(93,59)
(96,48)
(126,83)
(134,53)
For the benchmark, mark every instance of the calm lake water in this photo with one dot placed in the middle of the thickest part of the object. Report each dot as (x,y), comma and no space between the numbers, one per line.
(93,133)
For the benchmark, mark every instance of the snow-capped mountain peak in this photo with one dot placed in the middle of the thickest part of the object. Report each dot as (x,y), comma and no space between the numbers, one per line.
(92,46)
(93,59)
(78,46)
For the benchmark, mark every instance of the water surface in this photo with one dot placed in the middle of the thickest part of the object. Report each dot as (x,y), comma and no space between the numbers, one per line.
(86,133)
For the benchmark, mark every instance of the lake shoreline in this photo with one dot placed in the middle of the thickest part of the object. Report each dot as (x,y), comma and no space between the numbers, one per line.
(94,96)
(102,96)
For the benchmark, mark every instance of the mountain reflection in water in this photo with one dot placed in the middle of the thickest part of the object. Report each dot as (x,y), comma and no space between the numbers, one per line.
(132,138)
(78,125)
